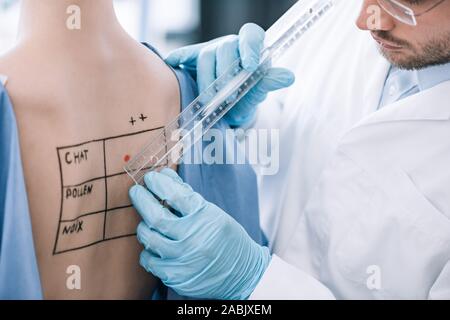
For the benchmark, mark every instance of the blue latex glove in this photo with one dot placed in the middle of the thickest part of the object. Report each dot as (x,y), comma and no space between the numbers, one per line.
(203,252)
(208,61)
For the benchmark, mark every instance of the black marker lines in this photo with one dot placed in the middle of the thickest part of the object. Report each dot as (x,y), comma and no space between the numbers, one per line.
(92,207)
(106,190)
(141,117)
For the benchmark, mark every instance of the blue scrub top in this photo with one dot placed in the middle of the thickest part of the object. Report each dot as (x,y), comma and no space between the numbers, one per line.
(19,276)
(231,187)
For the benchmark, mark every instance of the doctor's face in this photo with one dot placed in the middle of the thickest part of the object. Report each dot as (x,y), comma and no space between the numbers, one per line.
(407,46)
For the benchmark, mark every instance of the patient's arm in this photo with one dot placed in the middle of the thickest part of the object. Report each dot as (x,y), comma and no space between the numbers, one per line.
(83,109)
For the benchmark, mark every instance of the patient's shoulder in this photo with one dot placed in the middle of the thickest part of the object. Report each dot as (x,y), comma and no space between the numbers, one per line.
(3,79)
(3,92)
(9,60)
(3,71)
(12,67)
(149,61)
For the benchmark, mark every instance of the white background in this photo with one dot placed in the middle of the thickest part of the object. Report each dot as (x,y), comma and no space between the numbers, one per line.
(145,20)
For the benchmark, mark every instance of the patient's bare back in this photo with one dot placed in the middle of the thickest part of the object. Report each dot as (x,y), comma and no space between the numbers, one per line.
(81,117)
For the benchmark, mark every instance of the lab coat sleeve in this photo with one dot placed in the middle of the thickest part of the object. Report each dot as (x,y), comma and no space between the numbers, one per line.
(282,281)
(441,288)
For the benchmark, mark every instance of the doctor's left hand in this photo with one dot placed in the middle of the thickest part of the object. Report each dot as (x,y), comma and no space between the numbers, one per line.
(208,61)
(203,253)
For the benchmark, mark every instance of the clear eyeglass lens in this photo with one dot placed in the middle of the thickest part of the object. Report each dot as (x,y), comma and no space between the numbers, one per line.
(398,11)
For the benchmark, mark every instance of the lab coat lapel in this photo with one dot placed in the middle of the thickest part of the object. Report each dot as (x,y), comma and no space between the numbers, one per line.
(431,104)
(368,74)
(378,66)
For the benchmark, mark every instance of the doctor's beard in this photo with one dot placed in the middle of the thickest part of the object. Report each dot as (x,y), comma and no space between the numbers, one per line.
(435,51)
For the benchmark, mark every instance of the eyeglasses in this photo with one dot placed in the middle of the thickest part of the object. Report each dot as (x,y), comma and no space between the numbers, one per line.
(404,13)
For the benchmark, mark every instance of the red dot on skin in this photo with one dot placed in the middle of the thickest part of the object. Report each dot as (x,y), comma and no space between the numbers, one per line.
(126,158)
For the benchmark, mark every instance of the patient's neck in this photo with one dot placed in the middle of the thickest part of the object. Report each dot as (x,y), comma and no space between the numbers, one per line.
(58,22)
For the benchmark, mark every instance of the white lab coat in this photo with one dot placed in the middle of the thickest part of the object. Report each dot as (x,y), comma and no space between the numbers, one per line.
(361,206)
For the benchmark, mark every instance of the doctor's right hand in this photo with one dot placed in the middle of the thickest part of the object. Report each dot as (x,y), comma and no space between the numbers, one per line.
(200,253)
(208,61)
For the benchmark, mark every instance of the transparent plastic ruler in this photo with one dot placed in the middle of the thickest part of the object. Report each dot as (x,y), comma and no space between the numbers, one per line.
(211,105)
